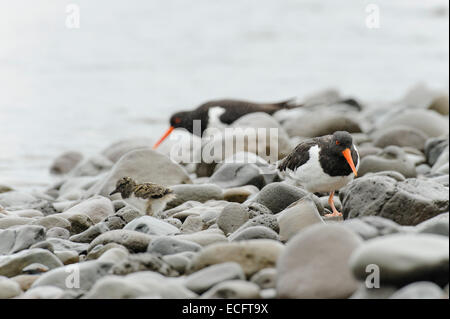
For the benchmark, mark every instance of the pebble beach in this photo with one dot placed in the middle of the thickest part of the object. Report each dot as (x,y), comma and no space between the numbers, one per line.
(81,109)
(236,230)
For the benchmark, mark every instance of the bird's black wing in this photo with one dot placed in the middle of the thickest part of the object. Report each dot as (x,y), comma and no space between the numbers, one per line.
(151,190)
(234,109)
(298,157)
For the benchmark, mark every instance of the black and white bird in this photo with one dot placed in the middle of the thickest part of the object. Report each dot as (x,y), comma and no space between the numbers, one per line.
(149,198)
(219,113)
(323,164)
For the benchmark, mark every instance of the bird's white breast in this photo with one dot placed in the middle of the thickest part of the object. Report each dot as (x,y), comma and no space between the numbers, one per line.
(137,202)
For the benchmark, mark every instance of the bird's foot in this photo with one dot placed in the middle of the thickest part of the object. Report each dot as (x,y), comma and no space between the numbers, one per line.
(334,214)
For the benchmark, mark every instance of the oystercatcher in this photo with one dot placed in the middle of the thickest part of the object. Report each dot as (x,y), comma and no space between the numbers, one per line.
(220,113)
(323,164)
(149,198)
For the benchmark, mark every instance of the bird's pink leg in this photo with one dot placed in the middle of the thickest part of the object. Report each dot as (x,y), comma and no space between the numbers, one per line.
(333,208)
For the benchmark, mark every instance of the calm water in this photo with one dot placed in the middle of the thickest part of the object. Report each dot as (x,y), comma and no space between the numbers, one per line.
(132,63)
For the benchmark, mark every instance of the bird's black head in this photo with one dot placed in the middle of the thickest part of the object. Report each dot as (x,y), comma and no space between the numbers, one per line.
(124,186)
(341,140)
(189,121)
(342,143)
(183,120)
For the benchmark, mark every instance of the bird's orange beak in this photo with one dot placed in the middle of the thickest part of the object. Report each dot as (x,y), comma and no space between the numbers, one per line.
(348,156)
(163,137)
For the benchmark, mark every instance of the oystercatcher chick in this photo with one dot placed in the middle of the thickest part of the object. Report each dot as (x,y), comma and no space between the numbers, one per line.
(220,113)
(323,164)
(149,198)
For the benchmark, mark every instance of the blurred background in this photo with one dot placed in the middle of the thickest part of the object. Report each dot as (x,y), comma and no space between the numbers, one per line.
(132,63)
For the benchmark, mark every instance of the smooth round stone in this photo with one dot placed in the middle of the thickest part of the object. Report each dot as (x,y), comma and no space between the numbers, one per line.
(408,203)
(254,232)
(384,226)
(404,258)
(53,221)
(96,208)
(152,226)
(419,290)
(25,281)
(255,209)
(204,237)
(92,166)
(172,245)
(44,245)
(143,165)
(12,265)
(9,288)
(441,167)
(100,249)
(232,217)
(143,262)
(233,289)
(67,257)
(400,136)
(34,269)
(315,263)
(179,262)
(75,185)
(90,234)
(320,123)
(434,147)
(7,222)
(440,105)
(28,213)
(263,120)
(231,175)
(63,244)
(429,122)
(114,222)
(65,162)
(116,150)
(392,158)
(382,292)
(174,221)
(199,193)
(89,272)
(253,255)
(43,292)
(79,223)
(265,278)
(137,285)
(134,241)
(114,255)
(296,217)
(58,232)
(278,196)
(5,189)
(438,225)
(193,224)
(19,238)
(16,199)
(128,213)
(239,194)
(269,221)
(205,278)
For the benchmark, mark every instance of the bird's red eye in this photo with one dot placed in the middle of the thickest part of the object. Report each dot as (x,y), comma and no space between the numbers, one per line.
(177,120)
(337,142)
